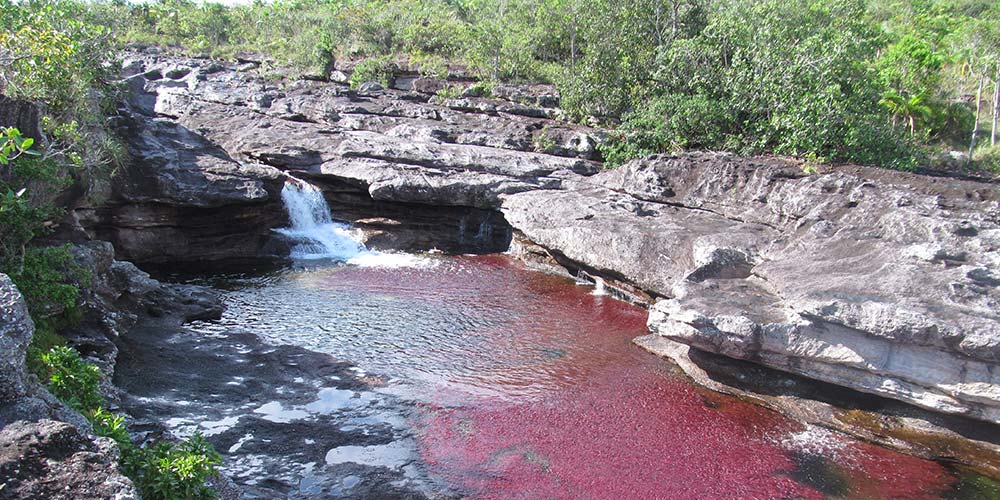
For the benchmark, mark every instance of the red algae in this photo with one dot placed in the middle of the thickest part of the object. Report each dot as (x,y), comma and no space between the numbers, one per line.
(553,401)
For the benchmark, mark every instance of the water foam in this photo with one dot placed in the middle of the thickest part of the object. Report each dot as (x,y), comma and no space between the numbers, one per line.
(318,237)
(815,441)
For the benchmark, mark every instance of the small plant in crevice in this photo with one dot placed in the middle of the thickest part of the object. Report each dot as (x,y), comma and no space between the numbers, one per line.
(72,380)
(543,141)
(447,92)
(160,471)
(482,88)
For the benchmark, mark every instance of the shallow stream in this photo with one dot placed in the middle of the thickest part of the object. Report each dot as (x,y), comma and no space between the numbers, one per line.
(477,377)
(401,376)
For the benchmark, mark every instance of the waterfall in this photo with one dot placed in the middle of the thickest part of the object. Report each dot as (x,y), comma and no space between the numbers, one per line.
(317,236)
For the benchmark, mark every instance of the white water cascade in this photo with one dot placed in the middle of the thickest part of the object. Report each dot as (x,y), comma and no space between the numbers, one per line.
(316,236)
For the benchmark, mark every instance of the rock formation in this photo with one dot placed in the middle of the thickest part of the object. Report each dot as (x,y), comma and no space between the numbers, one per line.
(884,282)
(47,450)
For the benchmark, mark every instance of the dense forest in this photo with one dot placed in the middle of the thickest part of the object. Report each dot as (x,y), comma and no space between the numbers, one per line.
(889,83)
(901,84)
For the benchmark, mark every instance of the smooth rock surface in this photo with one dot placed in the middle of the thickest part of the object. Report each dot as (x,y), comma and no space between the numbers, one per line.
(881,281)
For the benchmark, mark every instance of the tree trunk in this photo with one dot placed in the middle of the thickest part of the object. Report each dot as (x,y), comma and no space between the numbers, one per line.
(975,124)
(996,102)
(572,40)
(675,20)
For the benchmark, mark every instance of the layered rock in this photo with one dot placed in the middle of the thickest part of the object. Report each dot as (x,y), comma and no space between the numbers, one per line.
(880,281)
(183,198)
(212,144)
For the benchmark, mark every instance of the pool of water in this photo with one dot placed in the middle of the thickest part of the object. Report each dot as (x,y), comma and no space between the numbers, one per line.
(527,385)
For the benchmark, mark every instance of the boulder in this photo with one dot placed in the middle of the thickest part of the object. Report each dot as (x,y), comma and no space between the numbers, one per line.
(21,397)
(371,87)
(429,85)
(15,334)
(53,460)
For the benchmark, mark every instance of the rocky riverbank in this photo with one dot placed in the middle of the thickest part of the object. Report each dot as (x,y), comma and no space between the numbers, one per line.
(879,281)
(47,450)
(859,299)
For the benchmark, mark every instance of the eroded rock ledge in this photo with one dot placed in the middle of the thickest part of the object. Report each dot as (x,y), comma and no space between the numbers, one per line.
(879,281)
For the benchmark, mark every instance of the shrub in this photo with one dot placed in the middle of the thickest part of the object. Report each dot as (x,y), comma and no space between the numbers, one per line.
(448,92)
(374,69)
(543,142)
(162,471)
(169,471)
(987,158)
(69,378)
(669,123)
(110,425)
(432,66)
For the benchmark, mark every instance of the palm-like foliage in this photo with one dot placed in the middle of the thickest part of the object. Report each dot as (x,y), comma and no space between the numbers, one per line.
(913,109)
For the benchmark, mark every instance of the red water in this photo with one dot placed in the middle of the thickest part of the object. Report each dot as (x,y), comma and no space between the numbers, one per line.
(550,399)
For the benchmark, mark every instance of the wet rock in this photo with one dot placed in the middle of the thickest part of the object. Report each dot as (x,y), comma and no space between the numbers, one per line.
(52,460)
(289,423)
(116,294)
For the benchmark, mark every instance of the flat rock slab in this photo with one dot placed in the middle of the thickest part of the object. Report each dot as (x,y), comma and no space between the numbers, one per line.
(290,423)
(884,282)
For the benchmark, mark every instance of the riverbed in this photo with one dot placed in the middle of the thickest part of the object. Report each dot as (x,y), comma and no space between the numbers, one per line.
(475,377)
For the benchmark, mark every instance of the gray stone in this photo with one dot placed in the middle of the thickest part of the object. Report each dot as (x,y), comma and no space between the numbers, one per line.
(52,460)
(429,85)
(21,397)
(876,280)
(15,334)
